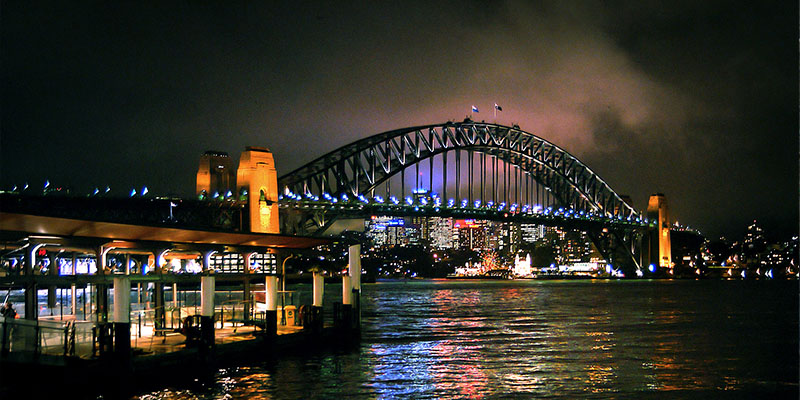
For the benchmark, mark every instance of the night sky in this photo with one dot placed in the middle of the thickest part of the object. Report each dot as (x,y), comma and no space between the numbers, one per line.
(694,99)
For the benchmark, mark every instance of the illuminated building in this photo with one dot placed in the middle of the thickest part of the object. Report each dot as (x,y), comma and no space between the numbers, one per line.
(386,231)
(441,232)
(471,234)
(530,233)
(522,265)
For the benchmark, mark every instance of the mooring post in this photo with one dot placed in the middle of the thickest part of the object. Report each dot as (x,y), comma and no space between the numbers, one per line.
(271,328)
(122,317)
(316,307)
(347,303)
(355,281)
(207,289)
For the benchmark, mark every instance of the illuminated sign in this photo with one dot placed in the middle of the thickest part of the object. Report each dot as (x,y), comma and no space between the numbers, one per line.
(465,223)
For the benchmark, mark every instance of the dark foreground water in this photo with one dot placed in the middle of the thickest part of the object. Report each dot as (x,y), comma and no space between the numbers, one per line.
(544,339)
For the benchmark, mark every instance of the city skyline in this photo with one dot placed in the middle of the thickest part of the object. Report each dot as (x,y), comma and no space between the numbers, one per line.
(695,101)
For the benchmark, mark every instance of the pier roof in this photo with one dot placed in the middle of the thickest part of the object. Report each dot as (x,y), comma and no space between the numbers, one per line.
(13,224)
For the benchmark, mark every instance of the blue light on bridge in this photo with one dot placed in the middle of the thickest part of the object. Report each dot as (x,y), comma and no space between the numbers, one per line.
(477,203)
(409,200)
(424,201)
(327,196)
(344,197)
(96,191)
(652,268)
(144,190)
(451,203)
(133,193)
(227,195)
(394,200)
(464,203)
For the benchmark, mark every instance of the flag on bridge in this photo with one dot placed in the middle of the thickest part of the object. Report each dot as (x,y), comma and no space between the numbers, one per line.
(474,109)
(498,108)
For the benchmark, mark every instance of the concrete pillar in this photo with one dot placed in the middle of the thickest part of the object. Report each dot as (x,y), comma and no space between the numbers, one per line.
(355,276)
(271,299)
(159,305)
(207,290)
(355,266)
(73,293)
(31,295)
(122,299)
(347,290)
(51,289)
(122,316)
(246,285)
(175,295)
(102,289)
(346,317)
(319,288)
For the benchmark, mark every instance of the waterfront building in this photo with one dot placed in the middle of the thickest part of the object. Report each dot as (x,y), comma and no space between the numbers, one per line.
(522,265)
(471,234)
(441,233)
(530,233)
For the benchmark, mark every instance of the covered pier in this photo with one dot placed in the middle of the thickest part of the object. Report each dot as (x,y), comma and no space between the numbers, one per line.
(92,290)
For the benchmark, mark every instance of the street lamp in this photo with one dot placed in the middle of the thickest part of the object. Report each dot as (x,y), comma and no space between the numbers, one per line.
(283,289)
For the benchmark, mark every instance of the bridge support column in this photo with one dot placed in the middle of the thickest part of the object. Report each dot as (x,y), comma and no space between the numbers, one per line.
(122,317)
(355,281)
(271,298)
(207,290)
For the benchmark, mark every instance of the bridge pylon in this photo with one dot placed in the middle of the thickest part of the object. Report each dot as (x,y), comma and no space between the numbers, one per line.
(658,245)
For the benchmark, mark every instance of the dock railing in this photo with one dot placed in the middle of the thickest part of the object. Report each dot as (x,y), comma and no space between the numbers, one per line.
(54,338)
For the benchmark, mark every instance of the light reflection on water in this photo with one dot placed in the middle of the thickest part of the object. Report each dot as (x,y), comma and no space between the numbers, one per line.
(525,339)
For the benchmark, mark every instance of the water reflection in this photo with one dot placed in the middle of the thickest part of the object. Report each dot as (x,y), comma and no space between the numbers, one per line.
(533,339)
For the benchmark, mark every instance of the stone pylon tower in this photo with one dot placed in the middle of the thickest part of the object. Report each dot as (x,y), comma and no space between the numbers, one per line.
(215,174)
(257,175)
(660,247)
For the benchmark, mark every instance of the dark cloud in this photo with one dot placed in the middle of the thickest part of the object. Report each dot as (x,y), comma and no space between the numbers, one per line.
(694,99)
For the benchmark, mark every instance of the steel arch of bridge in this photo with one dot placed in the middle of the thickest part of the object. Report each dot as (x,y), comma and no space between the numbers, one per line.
(360,167)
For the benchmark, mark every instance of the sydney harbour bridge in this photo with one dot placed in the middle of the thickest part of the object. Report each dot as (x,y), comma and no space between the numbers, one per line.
(465,170)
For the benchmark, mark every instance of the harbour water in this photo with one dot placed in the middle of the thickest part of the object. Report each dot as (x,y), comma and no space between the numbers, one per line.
(600,339)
